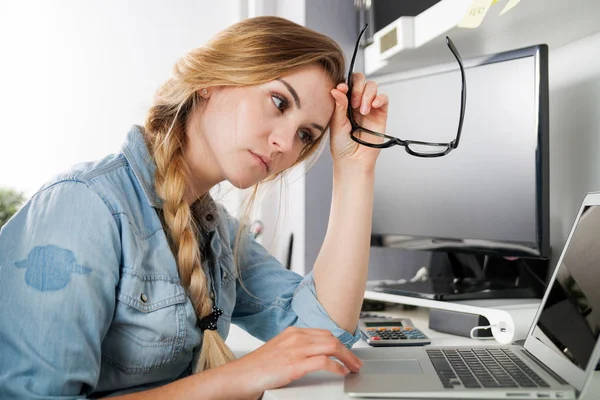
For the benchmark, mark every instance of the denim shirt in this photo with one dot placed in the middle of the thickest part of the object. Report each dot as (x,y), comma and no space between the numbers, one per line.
(91,302)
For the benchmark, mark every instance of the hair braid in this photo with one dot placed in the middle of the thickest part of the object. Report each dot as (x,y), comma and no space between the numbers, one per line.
(171,180)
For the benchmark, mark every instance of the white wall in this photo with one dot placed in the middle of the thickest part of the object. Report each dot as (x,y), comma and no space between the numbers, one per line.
(75,75)
(574,77)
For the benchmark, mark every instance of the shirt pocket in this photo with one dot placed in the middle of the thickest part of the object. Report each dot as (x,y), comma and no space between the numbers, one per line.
(227,295)
(149,325)
(228,269)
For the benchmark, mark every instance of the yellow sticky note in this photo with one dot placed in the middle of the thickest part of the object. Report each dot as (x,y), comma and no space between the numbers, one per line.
(476,14)
(509,5)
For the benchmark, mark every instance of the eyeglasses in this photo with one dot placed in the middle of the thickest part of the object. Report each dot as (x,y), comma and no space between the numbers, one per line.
(413,147)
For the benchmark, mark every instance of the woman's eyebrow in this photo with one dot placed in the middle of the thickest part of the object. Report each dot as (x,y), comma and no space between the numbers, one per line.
(294,94)
(319,127)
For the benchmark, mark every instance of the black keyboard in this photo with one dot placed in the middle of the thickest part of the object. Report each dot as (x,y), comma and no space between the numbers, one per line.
(487,368)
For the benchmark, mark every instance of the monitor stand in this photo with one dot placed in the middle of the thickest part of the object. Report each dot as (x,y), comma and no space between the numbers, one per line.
(455,276)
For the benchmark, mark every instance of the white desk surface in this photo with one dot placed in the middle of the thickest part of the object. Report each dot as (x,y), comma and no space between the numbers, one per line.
(326,385)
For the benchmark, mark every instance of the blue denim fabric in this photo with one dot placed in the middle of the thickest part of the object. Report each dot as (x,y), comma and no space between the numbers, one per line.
(90,297)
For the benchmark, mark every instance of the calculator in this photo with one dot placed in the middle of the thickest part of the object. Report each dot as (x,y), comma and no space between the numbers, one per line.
(389,331)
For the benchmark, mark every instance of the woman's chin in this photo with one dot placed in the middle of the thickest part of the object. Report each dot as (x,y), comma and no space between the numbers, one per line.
(243,182)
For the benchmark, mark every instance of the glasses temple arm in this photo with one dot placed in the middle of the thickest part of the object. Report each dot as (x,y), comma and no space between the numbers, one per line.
(463,93)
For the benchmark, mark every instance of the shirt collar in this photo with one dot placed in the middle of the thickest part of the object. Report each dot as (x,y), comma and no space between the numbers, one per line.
(136,152)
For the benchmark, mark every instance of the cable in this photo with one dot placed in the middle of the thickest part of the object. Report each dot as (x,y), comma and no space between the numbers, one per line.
(472,333)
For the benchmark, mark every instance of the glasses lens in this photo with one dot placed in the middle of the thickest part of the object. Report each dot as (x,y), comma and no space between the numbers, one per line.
(372,139)
(427,149)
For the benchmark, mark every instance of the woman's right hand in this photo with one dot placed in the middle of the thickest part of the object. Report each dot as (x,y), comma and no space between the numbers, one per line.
(289,356)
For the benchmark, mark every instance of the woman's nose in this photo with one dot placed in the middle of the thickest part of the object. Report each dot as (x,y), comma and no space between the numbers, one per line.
(283,140)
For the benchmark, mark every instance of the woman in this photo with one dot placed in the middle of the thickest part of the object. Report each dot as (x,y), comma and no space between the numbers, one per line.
(123,275)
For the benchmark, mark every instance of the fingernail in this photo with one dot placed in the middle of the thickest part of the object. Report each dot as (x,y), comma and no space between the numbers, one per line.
(363,109)
(355,103)
(346,371)
(376,103)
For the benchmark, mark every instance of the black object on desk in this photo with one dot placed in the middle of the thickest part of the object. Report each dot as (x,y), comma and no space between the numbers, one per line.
(458,323)
(454,276)
(372,305)
(454,291)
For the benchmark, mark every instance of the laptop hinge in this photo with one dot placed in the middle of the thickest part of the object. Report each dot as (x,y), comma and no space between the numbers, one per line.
(544,367)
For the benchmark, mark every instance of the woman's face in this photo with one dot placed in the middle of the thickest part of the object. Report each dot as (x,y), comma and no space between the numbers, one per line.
(247,134)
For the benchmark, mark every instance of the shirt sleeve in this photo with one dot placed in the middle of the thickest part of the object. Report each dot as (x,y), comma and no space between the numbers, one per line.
(271,298)
(59,258)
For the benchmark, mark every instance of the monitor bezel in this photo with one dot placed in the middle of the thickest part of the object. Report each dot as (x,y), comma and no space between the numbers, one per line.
(541,247)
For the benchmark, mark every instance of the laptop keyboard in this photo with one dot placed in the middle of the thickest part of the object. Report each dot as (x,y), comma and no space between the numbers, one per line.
(483,368)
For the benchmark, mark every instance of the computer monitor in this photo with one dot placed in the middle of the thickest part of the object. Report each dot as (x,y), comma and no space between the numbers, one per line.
(490,196)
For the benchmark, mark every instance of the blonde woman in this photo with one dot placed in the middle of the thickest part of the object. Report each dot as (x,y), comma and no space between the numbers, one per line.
(121,277)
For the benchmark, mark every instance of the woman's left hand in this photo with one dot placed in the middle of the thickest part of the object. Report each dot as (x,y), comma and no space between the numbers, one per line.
(370,111)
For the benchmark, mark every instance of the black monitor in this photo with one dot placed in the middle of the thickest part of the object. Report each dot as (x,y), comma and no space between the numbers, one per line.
(489,198)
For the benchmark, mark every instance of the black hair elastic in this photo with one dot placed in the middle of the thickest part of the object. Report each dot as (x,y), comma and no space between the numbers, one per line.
(210,321)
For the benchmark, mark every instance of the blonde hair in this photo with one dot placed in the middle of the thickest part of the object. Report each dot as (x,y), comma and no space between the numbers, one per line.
(251,52)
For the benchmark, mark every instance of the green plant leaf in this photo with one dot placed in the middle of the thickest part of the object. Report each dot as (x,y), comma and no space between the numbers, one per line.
(10,202)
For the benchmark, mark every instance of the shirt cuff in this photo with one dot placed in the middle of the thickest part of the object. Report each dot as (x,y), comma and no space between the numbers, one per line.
(311,313)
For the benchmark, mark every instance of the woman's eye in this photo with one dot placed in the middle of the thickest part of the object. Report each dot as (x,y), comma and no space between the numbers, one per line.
(280,102)
(305,137)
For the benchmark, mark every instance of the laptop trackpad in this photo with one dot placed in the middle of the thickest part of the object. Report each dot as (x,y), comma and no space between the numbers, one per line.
(391,367)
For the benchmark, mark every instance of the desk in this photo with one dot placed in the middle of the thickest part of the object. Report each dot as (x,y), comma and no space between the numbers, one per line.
(328,386)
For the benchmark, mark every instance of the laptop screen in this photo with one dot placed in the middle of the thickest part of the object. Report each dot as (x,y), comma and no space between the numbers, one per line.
(570,319)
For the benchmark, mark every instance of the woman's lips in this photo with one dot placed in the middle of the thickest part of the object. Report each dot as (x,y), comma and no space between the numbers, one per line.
(262,160)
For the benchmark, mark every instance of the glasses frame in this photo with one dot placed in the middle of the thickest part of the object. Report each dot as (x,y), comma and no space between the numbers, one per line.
(445,148)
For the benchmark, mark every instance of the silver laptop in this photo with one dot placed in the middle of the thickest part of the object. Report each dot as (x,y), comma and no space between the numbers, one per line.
(557,360)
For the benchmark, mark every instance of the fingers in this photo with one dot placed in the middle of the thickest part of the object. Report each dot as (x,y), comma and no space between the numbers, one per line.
(364,95)
(368,95)
(339,119)
(322,363)
(292,354)
(380,101)
(332,347)
(342,87)
(358,85)
(315,342)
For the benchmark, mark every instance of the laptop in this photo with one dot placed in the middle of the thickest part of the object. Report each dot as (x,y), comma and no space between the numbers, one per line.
(556,361)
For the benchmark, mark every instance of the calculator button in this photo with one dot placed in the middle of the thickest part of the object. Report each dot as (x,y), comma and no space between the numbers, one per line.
(370,329)
(407,328)
(395,329)
(375,338)
(382,329)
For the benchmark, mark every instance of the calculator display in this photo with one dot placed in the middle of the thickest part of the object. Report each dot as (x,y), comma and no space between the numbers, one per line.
(383,323)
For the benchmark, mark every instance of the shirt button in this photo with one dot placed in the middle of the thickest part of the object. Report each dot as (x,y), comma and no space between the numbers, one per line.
(144,298)
(212,295)
(225,275)
(209,217)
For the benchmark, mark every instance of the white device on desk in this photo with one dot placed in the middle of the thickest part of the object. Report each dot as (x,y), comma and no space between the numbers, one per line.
(379,331)
(556,361)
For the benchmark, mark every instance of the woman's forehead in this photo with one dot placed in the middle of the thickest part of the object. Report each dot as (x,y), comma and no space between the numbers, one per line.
(310,86)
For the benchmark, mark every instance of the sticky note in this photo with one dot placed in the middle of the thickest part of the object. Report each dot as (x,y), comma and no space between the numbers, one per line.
(476,14)
(509,5)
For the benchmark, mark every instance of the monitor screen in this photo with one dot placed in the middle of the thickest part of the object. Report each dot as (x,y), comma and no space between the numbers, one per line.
(489,194)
